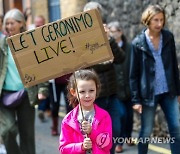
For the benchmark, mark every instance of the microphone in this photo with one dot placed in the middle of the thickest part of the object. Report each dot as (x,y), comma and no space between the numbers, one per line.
(88,117)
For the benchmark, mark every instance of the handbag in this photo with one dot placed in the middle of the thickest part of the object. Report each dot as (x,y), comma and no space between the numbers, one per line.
(13,99)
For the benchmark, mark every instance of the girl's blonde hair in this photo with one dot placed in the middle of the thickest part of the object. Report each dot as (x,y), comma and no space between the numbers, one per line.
(86,75)
(149,12)
(16,15)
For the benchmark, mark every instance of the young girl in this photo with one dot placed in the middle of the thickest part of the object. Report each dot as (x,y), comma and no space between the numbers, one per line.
(87,128)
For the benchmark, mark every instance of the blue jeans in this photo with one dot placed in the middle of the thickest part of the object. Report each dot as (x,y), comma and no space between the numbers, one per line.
(170,108)
(129,119)
(56,104)
(116,110)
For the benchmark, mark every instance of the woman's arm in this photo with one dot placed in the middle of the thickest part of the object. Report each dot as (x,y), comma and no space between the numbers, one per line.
(134,75)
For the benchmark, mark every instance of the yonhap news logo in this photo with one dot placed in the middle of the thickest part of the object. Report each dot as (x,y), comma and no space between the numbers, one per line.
(136,140)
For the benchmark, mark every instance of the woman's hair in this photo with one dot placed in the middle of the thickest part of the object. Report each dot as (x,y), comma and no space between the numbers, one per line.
(86,75)
(95,5)
(149,12)
(16,15)
(115,24)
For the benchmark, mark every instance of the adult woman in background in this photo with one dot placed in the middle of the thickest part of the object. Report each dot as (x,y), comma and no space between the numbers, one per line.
(19,119)
(154,77)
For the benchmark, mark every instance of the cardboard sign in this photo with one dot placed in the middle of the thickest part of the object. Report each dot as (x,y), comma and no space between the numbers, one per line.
(60,47)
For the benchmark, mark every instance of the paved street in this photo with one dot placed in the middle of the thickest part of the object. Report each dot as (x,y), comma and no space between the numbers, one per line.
(47,144)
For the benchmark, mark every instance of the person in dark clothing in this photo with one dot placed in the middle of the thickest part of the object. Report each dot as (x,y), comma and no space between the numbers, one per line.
(60,86)
(122,72)
(154,77)
(108,99)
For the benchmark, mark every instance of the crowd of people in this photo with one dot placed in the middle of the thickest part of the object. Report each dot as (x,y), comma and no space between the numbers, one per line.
(101,99)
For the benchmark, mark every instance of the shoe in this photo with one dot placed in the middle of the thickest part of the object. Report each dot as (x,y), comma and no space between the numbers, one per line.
(54,128)
(54,132)
(118,149)
(131,143)
(48,113)
(41,116)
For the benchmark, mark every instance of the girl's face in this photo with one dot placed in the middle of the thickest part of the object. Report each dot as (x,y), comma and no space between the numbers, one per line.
(156,23)
(87,93)
(12,26)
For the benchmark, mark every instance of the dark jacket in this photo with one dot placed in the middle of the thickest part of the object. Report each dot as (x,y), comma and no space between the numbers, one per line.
(142,68)
(106,71)
(122,73)
(63,80)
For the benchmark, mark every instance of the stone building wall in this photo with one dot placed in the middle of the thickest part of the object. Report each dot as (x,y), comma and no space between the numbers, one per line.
(40,7)
(128,12)
(71,7)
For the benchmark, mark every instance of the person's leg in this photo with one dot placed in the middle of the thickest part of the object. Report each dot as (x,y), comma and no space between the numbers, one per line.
(48,107)
(117,112)
(55,109)
(123,121)
(55,104)
(129,122)
(8,130)
(44,106)
(170,108)
(26,122)
(42,109)
(147,122)
(64,90)
(129,119)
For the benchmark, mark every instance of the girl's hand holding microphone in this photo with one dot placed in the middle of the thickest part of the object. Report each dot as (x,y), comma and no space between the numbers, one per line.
(86,127)
(87,144)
